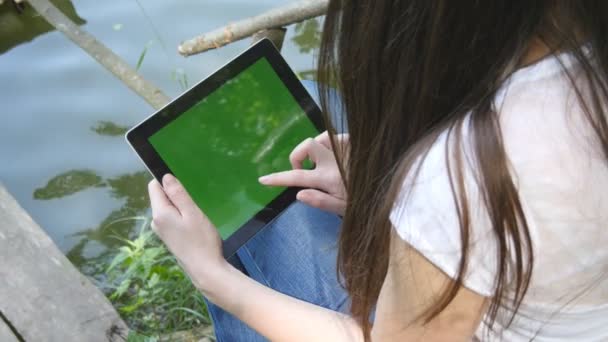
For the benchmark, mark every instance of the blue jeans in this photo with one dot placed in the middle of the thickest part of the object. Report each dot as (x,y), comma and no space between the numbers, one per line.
(294,254)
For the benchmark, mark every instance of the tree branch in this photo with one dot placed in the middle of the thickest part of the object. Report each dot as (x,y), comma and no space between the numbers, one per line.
(276,36)
(278,17)
(112,62)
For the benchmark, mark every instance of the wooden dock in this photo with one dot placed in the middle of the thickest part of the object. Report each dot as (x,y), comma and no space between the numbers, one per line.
(43,297)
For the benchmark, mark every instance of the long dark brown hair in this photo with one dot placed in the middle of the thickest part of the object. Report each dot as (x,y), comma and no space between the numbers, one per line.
(411,69)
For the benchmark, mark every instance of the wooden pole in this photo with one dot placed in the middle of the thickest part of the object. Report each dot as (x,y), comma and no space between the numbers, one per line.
(276,18)
(108,59)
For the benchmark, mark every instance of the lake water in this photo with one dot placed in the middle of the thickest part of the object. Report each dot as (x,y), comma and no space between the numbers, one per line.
(62,154)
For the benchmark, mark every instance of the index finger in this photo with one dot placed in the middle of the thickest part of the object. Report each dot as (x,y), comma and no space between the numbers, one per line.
(309,148)
(302,150)
(298,178)
(300,153)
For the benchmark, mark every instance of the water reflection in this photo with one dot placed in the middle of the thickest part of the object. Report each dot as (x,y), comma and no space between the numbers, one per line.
(129,188)
(308,35)
(307,38)
(120,223)
(21,23)
(69,183)
(109,128)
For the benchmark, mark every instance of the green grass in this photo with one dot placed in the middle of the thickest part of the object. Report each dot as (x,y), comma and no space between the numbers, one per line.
(149,289)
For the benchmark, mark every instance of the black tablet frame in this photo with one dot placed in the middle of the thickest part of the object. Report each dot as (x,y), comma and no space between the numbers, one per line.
(138,136)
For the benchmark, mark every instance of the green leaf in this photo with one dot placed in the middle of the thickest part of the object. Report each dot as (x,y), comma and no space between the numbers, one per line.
(193,313)
(136,337)
(142,294)
(118,259)
(153,253)
(133,244)
(153,293)
(179,75)
(121,289)
(132,307)
(140,60)
(153,281)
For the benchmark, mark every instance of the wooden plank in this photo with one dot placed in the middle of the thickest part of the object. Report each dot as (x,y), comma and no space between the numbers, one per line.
(6,335)
(42,295)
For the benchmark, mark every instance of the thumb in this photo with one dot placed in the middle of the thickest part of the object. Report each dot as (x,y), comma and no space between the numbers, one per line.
(178,195)
(322,200)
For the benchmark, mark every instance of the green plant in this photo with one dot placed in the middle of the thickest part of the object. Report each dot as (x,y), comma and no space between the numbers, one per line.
(178,75)
(142,55)
(150,290)
(135,337)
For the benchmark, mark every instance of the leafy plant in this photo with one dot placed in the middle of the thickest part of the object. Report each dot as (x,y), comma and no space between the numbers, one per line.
(142,55)
(135,337)
(150,290)
(178,75)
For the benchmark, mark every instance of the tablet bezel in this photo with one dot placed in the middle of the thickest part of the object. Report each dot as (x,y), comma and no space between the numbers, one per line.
(137,137)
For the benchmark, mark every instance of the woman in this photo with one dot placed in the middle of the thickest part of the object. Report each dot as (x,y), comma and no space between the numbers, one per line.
(473,185)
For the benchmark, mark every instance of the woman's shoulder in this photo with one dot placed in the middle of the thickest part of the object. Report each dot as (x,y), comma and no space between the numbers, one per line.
(551,147)
(540,114)
(560,177)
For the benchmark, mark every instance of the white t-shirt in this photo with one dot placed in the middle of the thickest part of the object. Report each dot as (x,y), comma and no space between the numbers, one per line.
(562,181)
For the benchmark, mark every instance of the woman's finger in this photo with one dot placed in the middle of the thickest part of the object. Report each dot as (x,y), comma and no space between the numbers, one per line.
(322,200)
(178,195)
(298,178)
(300,153)
(158,199)
(323,139)
(309,148)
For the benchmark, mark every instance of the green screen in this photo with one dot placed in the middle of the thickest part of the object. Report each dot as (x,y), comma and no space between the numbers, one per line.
(219,147)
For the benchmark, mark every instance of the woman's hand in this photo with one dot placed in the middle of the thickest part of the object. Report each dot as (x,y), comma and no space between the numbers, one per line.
(186,231)
(324,184)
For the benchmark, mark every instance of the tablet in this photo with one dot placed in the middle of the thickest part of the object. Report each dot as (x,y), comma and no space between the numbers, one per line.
(221,135)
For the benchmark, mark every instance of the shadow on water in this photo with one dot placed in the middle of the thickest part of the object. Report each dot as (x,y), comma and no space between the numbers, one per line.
(19,23)
(129,189)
